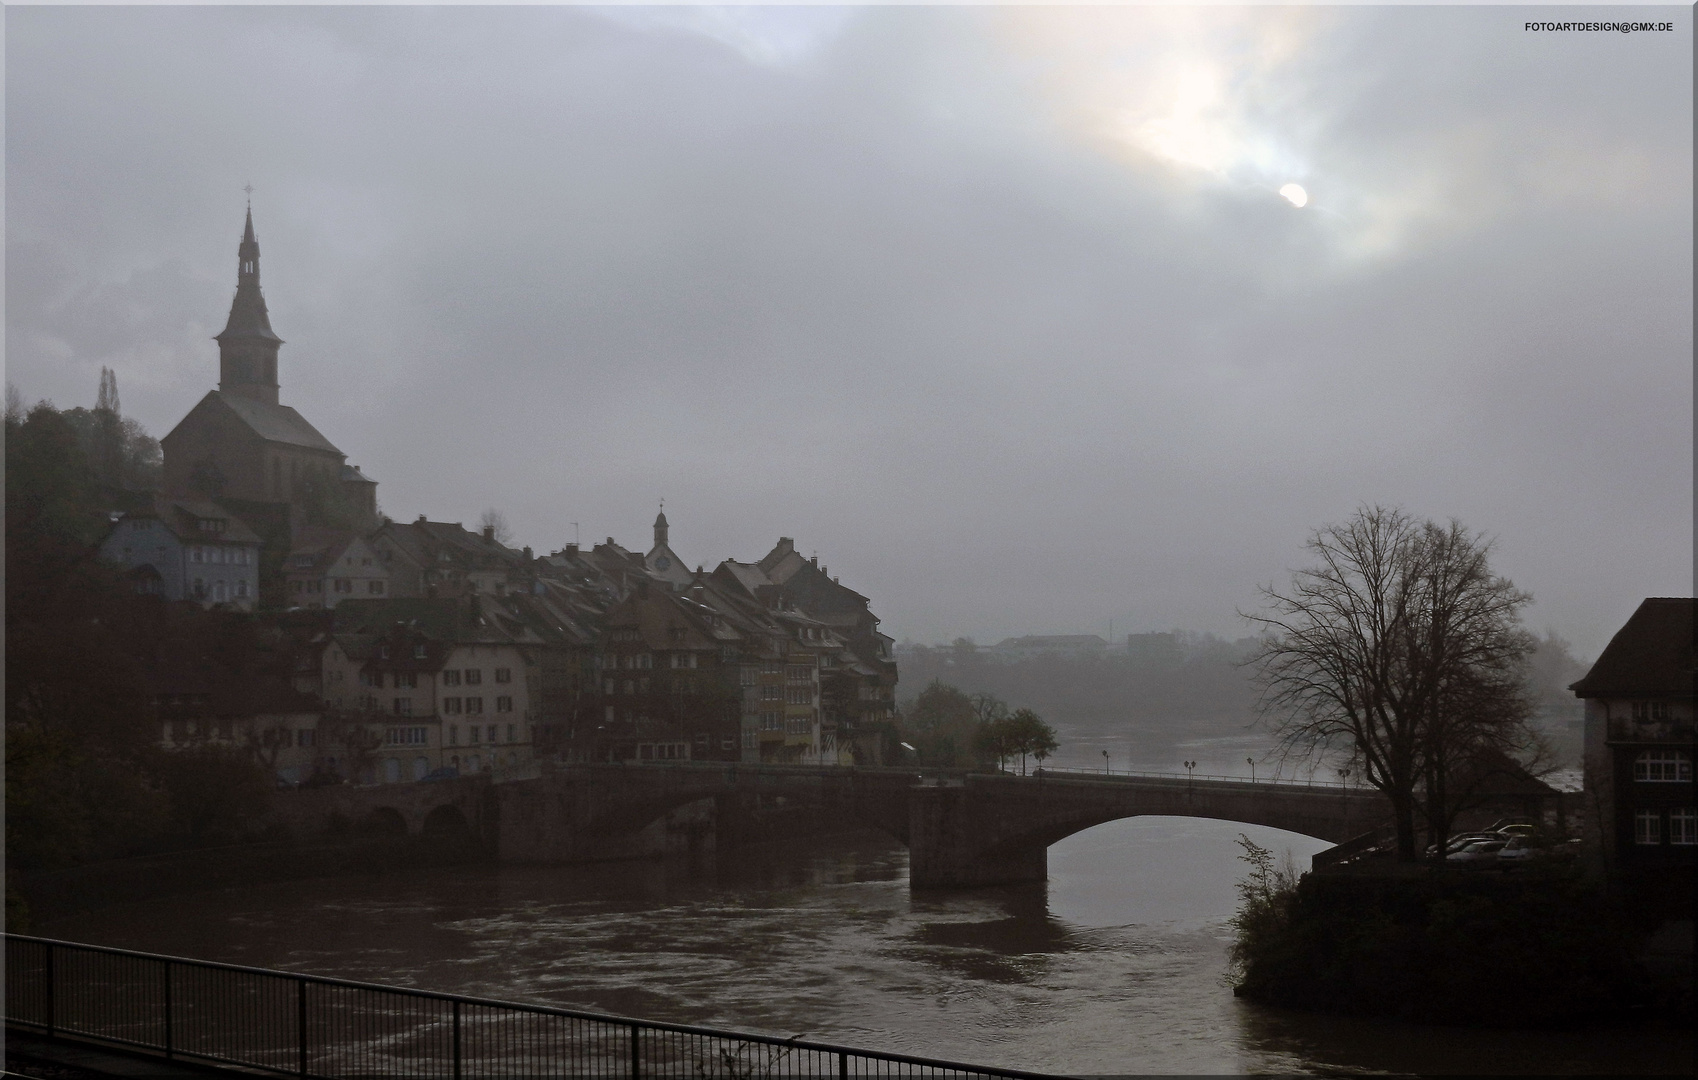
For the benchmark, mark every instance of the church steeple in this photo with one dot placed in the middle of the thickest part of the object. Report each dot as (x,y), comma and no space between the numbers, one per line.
(660,530)
(247,349)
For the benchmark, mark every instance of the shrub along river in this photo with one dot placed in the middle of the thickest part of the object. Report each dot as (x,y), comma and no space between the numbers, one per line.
(1117,966)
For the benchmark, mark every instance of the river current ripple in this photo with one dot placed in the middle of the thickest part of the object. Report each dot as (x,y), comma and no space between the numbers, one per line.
(1116,966)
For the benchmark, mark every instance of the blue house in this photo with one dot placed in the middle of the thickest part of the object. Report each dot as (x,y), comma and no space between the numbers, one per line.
(186,550)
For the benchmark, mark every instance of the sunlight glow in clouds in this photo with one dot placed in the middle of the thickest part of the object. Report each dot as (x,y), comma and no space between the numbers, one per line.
(1295,194)
(1188,88)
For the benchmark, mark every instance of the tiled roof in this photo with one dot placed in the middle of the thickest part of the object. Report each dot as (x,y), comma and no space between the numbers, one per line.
(275,423)
(183,517)
(1651,656)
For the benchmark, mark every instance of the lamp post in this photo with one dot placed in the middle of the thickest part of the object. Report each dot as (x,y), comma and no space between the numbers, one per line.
(1189,767)
(1105,762)
(1252,762)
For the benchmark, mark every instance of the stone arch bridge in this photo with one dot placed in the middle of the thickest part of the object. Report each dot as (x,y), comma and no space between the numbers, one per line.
(962,829)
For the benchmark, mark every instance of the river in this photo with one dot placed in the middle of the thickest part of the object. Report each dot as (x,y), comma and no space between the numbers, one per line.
(1116,966)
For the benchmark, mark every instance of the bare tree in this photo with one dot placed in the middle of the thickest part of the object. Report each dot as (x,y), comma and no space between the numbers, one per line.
(495,519)
(1401,651)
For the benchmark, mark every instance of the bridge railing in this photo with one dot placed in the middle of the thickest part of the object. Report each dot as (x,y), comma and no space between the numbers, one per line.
(933,773)
(1282,781)
(303,1025)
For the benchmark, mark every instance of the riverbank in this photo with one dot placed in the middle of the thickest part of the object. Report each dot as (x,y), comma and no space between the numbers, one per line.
(57,894)
(1537,949)
(36,897)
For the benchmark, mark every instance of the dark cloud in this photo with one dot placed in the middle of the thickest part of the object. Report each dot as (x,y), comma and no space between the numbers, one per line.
(977,303)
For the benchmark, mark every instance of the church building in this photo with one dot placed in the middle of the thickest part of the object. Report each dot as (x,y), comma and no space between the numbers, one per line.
(662,562)
(241,443)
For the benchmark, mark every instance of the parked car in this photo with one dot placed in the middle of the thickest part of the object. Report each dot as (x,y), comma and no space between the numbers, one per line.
(1519,851)
(1516,830)
(1459,841)
(1477,854)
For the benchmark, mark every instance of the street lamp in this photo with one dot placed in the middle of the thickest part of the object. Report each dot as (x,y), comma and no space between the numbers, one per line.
(1189,767)
(1105,762)
(1252,762)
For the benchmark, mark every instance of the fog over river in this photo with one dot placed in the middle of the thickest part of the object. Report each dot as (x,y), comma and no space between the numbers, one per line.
(1115,967)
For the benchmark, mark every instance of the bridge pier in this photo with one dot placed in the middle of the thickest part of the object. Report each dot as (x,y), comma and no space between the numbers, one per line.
(947,846)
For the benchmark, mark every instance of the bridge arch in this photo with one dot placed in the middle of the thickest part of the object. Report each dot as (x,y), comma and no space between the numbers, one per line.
(1053,834)
(992,831)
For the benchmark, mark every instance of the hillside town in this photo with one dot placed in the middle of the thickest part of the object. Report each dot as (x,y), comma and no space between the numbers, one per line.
(420,648)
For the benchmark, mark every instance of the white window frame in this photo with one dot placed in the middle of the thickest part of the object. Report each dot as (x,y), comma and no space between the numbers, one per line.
(1647,828)
(1683,827)
(1662,767)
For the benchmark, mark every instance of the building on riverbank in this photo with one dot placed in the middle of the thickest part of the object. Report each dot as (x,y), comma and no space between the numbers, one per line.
(1639,740)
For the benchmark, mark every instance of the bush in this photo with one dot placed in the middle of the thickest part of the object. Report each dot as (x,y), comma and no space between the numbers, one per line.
(1541,948)
(215,792)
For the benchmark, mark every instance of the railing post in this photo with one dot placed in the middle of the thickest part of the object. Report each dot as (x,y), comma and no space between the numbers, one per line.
(170,1044)
(456,1039)
(51,1017)
(843,1065)
(301,1021)
(636,1058)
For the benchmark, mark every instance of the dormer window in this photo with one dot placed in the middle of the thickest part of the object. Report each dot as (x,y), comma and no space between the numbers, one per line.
(211,525)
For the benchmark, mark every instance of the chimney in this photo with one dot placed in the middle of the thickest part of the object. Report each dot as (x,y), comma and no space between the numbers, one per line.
(421,520)
(489,534)
(572,551)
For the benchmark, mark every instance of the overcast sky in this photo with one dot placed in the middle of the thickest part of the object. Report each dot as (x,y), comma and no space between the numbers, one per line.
(999,310)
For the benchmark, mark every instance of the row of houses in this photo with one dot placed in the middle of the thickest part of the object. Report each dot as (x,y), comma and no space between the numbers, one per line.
(422,649)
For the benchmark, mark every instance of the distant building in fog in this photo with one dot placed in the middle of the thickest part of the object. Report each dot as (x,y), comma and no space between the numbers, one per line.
(1069,646)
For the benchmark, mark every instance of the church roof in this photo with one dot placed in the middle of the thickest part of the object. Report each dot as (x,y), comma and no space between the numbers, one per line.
(275,423)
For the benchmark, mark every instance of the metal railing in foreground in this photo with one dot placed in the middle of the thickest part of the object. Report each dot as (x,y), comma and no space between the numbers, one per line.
(304,1025)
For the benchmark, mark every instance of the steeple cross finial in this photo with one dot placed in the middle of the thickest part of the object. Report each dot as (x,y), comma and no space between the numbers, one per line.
(250,190)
